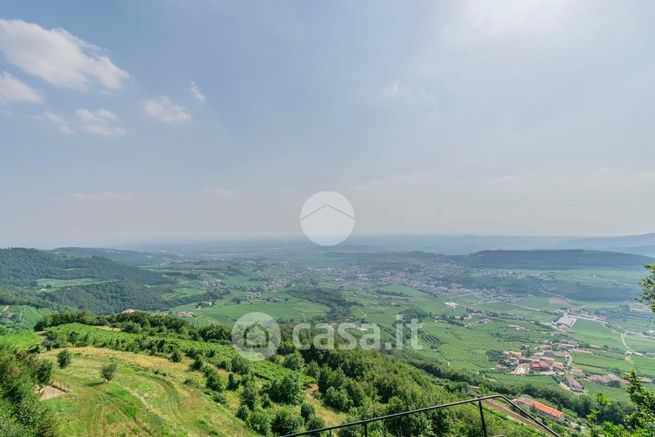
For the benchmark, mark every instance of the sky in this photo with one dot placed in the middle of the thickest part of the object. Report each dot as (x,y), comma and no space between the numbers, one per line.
(170,120)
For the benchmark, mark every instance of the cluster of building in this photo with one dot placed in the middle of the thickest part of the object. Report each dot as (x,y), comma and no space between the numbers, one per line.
(539,363)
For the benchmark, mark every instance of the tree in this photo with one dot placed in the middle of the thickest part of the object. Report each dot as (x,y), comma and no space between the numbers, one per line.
(108,371)
(642,421)
(286,421)
(43,373)
(21,412)
(240,365)
(314,422)
(215,382)
(648,288)
(307,411)
(198,363)
(64,359)
(260,421)
(287,390)
(250,396)
(176,356)
(294,361)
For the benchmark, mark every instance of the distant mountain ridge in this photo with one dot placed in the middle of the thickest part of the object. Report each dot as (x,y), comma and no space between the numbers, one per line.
(23,267)
(554,259)
(643,244)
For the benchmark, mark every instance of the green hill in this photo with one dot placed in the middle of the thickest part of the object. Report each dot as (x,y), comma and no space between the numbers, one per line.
(186,380)
(553,259)
(23,267)
(130,257)
(108,297)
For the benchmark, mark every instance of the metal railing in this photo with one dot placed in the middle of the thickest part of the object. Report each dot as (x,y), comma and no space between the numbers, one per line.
(364,423)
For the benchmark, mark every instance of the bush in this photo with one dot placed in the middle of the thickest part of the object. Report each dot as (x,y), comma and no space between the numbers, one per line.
(287,390)
(266,401)
(240,365)
(250,396)
(64,359)
(191,382)
(220,398)
(286,421)
(176,356)
(43,373)
(337,398)
(294,362)
(243,413)
(21,412)
(307,411)
(215,382)
(314,423)
(232,381)
(108,371)
(260,421)
(198,363)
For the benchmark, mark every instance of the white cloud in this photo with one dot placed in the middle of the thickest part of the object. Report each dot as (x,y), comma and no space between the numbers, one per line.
(99,122)
(60,122)
(162,109)
(195,92)
(13,90)
(57,57)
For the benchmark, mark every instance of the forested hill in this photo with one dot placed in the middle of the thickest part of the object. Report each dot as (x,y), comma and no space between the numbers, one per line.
(554,259)
(130,257)
(108,297)
(23,267)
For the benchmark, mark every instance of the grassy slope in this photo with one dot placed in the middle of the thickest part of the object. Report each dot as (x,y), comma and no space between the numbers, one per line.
(138,401)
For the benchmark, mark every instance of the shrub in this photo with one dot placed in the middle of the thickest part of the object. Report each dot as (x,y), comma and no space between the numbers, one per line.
(198,363)
(176,356)
(215,382)
(108,371)
(314,422)
(232,381)
(294,362)
(337,398)
(286,421)
(240,365)
(220,398)
(260,421)
(266,401)
(243,413)
(43,373)
(307,411)
(287,390)
(191,382)
(250,396)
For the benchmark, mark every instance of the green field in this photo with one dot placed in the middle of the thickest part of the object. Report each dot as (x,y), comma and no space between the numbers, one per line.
(147,397)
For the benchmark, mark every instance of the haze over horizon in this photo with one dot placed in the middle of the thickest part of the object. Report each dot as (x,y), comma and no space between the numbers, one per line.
(155,121)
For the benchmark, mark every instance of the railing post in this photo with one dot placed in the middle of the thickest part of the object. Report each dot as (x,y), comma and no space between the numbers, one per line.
(365,429)
(484,424)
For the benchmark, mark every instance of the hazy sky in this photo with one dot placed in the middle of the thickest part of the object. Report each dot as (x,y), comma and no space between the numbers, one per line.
(141,120)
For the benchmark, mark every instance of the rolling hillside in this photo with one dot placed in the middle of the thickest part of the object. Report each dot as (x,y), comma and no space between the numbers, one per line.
(23,267)
(130,257)
(554,259)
